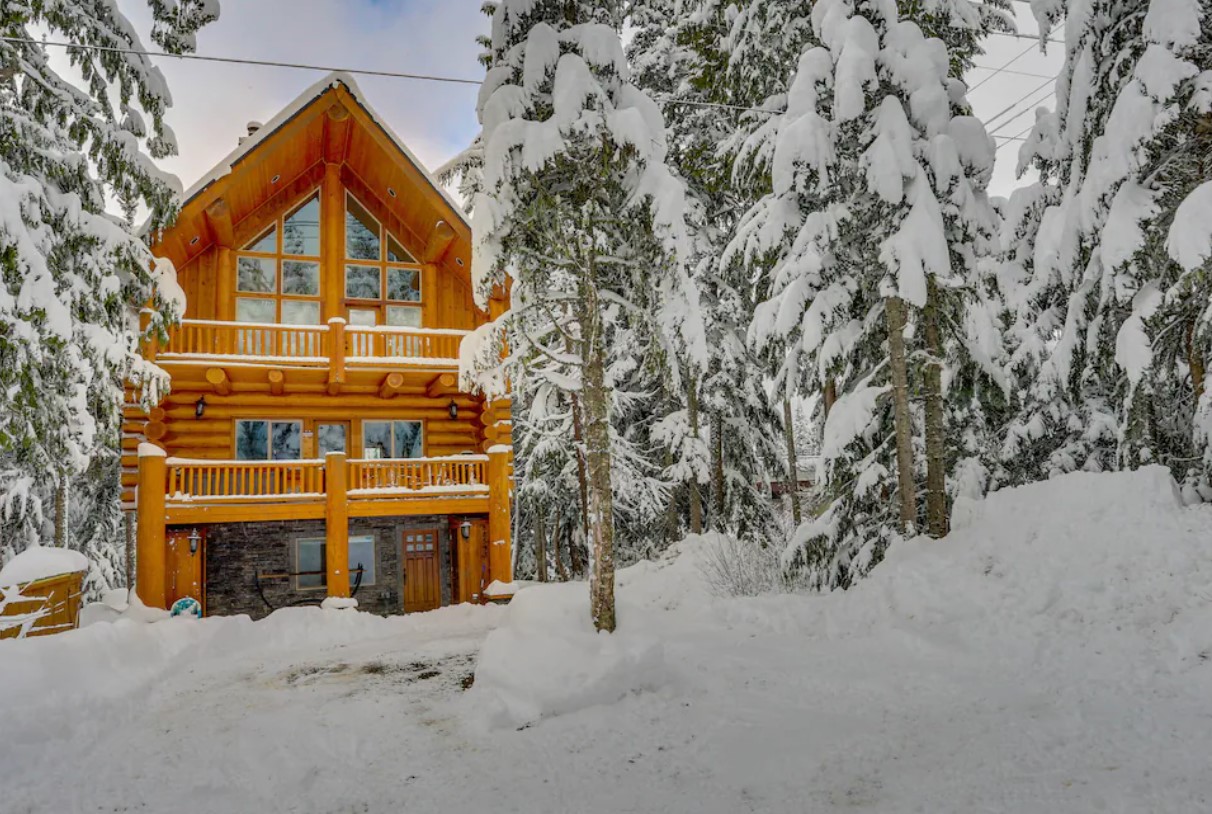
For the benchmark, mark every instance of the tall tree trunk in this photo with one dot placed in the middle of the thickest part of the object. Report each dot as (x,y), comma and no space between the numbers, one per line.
(696,496)
(793,477)
(561,569)
(671,511)
(596,404)
(540,546)
(578,437)
(894,314)
(830,395)
(717,474)
(61,514)
(1195,362)
(936,474)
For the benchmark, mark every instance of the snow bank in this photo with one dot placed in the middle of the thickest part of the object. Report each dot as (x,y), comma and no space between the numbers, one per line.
(39,562)
(546,659)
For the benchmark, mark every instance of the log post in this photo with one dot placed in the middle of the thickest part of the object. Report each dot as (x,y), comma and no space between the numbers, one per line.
(500,485)
(151,560)
(336,354)
(336,524)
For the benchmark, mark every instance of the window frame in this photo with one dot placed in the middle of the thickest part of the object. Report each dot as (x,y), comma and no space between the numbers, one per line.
(393,422)
(384,266)
(322,577)
(279,258)
(269,438)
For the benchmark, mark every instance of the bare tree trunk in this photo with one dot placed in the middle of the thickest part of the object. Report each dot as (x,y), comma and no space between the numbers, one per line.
(671,512)
(576,552)
(561,569)
(596,403)
(61,514)
(578,437)
(696,496)
(717,474)
(894,313)
(793,477)
(540,546)
(1195,361)
(936,475)
(830,395)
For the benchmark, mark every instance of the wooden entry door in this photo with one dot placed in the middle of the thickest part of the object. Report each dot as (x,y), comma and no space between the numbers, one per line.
(422,587)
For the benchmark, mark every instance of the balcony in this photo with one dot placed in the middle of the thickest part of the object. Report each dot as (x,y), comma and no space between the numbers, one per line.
(333,345)
(199,491)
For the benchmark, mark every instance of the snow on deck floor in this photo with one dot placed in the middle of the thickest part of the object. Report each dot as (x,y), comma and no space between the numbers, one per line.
(1053,655)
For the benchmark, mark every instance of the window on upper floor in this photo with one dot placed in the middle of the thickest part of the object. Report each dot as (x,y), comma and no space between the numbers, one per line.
(393,439)
(262,440)
(382,279)
(278,273)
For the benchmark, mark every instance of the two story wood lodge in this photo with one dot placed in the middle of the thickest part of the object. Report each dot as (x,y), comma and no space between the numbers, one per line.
(314,442)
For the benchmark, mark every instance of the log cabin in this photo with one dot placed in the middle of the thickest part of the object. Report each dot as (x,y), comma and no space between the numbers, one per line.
(314,441)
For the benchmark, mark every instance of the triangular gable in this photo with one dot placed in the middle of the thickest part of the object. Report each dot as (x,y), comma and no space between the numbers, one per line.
(287,150)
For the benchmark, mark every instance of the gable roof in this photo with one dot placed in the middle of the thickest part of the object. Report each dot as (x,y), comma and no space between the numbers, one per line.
(292,147)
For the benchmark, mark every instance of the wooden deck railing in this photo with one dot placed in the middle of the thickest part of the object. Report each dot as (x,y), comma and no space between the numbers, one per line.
(418,474)
(245,480)
(306,480)
(310,343)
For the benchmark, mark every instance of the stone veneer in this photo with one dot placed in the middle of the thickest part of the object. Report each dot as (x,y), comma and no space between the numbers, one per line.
(235,552)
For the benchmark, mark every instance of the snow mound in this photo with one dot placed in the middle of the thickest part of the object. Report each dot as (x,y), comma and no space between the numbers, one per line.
(39,562)
(546,659)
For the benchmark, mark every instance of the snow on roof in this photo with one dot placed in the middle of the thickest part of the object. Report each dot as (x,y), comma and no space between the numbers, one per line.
(247,145)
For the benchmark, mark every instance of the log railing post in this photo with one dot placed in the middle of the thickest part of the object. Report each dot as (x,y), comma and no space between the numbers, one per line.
(151,563)
(336,354)
(500,566)
(336,524)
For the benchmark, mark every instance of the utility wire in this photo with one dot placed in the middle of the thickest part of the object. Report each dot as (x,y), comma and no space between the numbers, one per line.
(1012,60)
(1014,106)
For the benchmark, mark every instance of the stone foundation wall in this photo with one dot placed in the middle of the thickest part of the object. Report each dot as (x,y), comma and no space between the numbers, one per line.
(236,552)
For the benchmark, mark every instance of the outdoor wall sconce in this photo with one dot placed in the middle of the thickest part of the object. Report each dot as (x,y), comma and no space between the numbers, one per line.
(453,409)
(465,529)
(199,407)
(194,538)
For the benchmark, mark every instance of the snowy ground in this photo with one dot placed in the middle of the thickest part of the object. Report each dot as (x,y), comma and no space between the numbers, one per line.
(1053,655)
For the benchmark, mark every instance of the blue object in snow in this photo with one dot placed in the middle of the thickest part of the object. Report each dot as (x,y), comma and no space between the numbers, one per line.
(187,606)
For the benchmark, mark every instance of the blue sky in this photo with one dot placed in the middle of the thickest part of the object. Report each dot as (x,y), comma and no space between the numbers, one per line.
(214,102)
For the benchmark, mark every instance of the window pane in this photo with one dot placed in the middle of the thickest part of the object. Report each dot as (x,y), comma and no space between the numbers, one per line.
(404,316)
(362,282)
(311,558)
(255,309)
(300,312)
(266,243)
(408,439)
(301,231)
(397,253)
(376,439)
(287,440)
(363,317)
(404,284)
(330,438)
(300,278)
(252,440)
(361,232)
(258,275)
(362,552)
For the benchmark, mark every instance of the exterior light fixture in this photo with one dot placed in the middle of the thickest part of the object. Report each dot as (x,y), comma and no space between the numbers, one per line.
(200,407)
(453,409)
(194,538)
(465,529)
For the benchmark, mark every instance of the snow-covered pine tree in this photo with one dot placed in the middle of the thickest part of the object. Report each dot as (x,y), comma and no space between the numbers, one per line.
(876,172)
(579,210)
(73,276)
(720,430)
(1110,334)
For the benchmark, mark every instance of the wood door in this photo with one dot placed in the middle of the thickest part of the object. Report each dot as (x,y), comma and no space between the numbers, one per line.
(422,586)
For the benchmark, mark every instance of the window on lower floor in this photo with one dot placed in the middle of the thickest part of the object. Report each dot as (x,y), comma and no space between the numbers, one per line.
(392,439)
(259,440)
(311,562)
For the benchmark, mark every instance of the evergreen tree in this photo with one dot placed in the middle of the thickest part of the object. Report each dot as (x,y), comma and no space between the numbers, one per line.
(73,277)
(580,212)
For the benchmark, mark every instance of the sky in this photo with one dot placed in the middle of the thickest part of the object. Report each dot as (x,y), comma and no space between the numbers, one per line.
(214,102)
